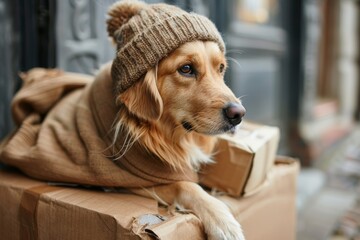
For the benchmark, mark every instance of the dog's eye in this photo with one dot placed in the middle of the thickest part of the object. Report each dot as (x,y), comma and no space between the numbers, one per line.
(221,68)
(187,70)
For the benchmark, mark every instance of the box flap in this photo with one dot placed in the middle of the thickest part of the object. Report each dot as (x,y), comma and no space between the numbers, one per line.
(250,137)
(178,227)
(264,157)
(242,160)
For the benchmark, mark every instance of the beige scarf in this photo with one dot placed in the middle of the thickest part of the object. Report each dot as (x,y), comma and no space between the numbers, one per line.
(64,134)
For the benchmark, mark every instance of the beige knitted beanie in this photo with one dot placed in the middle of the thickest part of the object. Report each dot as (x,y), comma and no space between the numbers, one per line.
(146,33)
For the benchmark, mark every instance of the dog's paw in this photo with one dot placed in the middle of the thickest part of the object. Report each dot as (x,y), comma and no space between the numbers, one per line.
(226,230)
(219,223)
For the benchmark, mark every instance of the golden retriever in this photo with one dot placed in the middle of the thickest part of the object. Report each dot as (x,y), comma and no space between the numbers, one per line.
(175,111)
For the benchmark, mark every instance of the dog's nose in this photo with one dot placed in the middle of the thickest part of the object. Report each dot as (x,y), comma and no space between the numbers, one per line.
(234,112)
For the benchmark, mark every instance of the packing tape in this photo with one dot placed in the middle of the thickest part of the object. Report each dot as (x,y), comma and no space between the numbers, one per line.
(28,210)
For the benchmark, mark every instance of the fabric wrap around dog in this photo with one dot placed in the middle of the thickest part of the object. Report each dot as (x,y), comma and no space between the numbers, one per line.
(64,133)
(65,120)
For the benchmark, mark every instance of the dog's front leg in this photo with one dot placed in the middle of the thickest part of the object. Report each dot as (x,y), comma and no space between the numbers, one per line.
(219,223)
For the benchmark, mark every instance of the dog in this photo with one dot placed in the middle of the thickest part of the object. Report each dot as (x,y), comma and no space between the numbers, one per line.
(164,90)
(165,93)
(182,104)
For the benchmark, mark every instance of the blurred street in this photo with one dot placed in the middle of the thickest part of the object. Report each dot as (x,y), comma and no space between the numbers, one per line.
(329,193)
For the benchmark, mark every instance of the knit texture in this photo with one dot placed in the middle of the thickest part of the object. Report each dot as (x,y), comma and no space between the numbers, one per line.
(146,33)
(64,121)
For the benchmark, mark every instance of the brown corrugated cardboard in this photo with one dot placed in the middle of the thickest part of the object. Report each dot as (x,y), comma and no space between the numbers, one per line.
(30,209)
(270,213)
(245,158)
(67,213)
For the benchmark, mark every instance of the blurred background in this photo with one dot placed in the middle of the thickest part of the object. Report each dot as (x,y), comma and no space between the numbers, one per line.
(294,62)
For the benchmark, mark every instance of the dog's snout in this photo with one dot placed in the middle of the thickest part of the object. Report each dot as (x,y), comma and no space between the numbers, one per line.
(234,112)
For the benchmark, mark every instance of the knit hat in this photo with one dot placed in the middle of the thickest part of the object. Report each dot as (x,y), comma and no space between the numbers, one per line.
(146,33)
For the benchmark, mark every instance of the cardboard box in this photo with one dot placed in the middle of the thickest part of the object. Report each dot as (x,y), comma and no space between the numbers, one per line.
(242,161)
(31,209)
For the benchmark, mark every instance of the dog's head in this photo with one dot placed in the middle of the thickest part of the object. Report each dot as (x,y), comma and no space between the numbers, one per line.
(186,89)
(168,77)
(179,58)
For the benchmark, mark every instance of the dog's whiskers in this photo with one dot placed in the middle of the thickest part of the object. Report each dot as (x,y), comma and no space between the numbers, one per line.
(235,51)
(234,61)
(203,122)
(241,97)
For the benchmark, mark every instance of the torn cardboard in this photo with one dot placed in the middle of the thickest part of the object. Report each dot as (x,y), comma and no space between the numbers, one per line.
(242,161)
(31,209)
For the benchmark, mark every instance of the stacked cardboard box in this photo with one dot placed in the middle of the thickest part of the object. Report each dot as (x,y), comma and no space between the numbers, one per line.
(243,160)
(31,209)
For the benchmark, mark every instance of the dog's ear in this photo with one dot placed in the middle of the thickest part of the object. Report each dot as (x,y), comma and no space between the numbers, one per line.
(143,98)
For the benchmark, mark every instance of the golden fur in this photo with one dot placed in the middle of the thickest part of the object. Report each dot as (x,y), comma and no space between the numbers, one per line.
(153,112)
(154,108)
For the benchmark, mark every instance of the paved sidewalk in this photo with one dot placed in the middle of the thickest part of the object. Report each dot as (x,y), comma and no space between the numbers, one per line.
(329,190)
